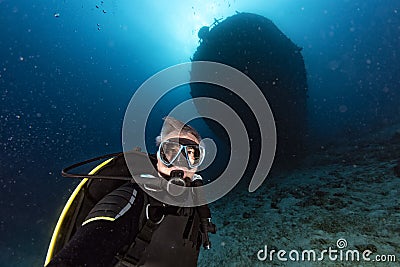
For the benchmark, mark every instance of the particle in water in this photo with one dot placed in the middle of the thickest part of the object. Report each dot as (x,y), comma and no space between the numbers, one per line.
(343,108)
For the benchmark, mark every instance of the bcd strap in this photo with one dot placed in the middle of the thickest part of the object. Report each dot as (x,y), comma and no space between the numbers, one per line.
(142,240)
(135,251)
(153,213)
(156,210)
(192,234)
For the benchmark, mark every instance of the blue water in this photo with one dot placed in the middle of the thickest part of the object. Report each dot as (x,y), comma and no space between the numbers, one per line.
(69,68)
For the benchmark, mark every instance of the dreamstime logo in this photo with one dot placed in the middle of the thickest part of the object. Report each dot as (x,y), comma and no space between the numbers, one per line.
(341,243)
(333,254)
(153,89)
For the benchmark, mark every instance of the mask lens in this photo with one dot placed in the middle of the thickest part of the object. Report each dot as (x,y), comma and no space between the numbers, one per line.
(169,151)
(193,154)
(172,152)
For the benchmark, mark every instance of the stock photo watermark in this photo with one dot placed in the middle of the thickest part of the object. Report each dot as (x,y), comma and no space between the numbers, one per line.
(206,72)
(338,253)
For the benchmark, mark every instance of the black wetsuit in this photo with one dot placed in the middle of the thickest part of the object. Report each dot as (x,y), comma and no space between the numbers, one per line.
(96,243)
(175,242)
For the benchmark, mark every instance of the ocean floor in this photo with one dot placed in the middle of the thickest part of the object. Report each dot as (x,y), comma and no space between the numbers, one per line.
(344,198)
(345,195)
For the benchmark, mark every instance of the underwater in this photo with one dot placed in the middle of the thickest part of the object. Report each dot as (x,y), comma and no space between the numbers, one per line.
(297,102)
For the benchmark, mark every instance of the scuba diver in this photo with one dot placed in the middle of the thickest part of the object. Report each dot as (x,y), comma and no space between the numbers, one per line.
(110,221)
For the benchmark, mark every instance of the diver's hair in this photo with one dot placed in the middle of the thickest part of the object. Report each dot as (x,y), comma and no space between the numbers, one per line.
(172,125)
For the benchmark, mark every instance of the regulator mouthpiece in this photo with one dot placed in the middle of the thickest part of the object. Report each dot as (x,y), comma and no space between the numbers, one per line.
(176,184)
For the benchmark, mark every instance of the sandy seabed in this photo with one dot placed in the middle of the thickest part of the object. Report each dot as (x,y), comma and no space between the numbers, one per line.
(345,195)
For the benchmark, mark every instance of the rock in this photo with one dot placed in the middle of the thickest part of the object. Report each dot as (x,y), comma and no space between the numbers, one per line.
(396,169)
(364,247)
(254,45)
(320,193)
(246,215)
(396,136)
(274,205)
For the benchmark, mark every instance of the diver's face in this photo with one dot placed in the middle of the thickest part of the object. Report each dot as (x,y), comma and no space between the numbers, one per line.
(162,168)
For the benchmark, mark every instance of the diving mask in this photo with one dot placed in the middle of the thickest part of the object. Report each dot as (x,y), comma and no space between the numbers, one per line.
(181,152)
